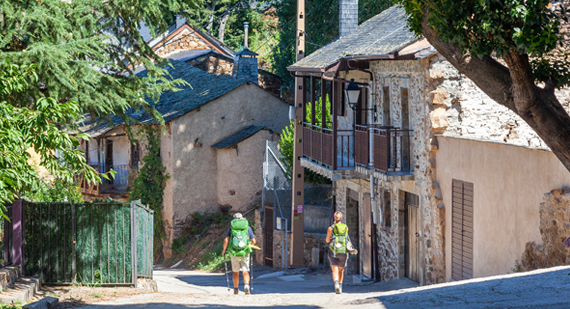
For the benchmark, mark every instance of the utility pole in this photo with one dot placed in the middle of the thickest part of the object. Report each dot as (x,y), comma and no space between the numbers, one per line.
(297,220)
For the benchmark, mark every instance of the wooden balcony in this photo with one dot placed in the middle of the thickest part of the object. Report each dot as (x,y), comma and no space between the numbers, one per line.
(333,149)
(391,148)
(116,185)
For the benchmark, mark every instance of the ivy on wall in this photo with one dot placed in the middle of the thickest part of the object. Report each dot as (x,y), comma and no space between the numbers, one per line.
(151,181)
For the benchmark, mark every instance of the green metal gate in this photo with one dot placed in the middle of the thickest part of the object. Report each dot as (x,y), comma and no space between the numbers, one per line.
(88,243)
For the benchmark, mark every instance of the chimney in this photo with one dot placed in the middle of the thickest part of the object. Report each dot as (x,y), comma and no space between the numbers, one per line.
(180,20)
(245,65)
(348,16)
(246,32)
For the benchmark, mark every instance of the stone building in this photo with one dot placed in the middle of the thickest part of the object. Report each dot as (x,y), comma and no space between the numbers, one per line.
(426,167)
(212,146)
(202,50)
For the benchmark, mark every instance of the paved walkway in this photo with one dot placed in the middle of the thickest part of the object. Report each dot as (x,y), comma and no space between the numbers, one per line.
(192,289)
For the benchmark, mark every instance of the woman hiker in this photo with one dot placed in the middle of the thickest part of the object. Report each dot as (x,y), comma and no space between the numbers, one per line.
(240,238)
(337,238)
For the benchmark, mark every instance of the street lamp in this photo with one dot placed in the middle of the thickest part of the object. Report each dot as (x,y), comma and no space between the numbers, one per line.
(352,92)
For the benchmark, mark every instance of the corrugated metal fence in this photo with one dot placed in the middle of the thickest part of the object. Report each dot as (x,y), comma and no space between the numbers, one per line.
(88,243)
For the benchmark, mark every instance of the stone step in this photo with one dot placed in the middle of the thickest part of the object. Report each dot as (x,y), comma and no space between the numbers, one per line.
(8,275)
(22,291)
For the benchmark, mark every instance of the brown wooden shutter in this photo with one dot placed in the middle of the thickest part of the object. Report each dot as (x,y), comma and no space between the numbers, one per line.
(462,230)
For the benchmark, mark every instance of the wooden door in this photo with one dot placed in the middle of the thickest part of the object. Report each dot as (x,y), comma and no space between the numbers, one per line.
(462,230)
(413,237)
(367,269)
(268,237)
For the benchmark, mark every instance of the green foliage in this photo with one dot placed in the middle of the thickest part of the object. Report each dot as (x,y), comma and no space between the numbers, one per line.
(489,27)
(517,267)
(212,260)
(226,17)
(151,180)
(199,222)
(7,306)
(321,27)
(34,126)
(86,51)
(55,191)
(286,143)
(319,114)
(287,140)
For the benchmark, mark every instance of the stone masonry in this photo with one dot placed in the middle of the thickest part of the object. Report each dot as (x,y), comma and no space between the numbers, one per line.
(348,17)
(554,228)
(185,40)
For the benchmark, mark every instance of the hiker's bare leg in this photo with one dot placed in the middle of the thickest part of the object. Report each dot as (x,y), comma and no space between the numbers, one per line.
(340,274)
(335,272)
(245,277)
(235,277)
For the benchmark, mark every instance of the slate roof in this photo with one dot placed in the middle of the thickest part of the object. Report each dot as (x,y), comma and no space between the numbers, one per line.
(172,28)
(187,55)
(238,137)
(204,87)
(382,35)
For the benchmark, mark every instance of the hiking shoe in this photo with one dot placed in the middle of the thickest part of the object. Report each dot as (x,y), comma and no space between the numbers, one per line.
(340,288)
(337,288)
(246,289)
(236,291)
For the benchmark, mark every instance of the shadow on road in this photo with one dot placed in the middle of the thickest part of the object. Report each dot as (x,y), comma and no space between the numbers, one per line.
(538,289)
(180,306)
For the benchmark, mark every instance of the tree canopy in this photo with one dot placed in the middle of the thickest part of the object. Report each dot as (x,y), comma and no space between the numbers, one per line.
(513,50)
(321,26)
(23,129)
(62,59)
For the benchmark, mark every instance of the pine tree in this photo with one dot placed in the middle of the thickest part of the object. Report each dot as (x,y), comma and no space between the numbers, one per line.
(62,59)
(87,50)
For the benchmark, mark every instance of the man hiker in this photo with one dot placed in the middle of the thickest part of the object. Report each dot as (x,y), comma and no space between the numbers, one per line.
(240,238)
(337,238)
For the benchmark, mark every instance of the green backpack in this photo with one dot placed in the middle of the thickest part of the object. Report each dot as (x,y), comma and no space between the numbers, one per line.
(239,241)
(338,244)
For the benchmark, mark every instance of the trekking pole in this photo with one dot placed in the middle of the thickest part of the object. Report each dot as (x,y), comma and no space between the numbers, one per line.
(226,267)
(251,272)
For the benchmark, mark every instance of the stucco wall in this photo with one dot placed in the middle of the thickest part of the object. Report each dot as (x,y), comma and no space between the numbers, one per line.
(240,170)
(509,185)
(194,163)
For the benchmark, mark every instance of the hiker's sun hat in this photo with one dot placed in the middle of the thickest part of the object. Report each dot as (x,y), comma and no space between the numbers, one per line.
(238,215)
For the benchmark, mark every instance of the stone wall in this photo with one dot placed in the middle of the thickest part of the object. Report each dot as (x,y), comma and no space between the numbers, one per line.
(315,249)
(214,64)
(554,228)
(432,89)
(187,39)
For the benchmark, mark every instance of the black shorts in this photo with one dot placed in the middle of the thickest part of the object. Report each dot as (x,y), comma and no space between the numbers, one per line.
(338,260)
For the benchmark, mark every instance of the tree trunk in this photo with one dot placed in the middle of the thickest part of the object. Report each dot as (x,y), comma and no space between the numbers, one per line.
(222,29)
(211,19)
(514,88)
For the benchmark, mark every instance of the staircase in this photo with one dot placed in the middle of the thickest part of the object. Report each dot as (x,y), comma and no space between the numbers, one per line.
(15,288)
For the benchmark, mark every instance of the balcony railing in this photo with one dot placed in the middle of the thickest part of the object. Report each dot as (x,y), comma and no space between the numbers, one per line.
(391,148)
(118,184)
(319,146)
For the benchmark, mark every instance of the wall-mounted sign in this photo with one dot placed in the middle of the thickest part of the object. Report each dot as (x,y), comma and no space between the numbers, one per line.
(300,209)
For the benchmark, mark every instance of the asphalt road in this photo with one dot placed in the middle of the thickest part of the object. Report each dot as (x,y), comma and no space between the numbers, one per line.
(192,289)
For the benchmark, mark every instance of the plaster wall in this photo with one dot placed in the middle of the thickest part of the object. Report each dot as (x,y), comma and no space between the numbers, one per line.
(194,164)
(509,185)
(240,170)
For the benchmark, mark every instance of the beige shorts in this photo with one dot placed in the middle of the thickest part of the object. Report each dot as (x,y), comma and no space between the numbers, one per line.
(240,263)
